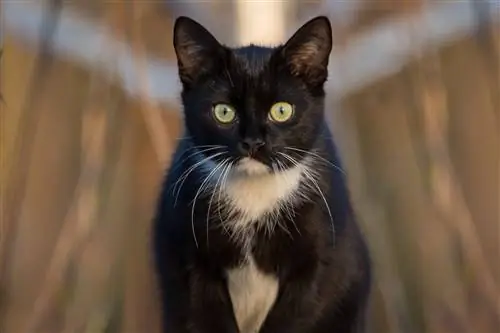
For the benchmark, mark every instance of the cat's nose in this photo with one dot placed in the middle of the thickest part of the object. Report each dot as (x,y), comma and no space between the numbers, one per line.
(251,145)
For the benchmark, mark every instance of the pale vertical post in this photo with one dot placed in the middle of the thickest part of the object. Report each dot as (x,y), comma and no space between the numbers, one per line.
(263,22)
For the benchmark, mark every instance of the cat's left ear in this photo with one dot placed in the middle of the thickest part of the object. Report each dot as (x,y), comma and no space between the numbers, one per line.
(306,53)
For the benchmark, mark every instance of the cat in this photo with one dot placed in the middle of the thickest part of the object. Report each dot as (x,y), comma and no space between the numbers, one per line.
(254,231)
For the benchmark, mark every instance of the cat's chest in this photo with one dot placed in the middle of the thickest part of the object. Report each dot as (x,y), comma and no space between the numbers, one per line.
(259,199)
(253,293)
(257,202)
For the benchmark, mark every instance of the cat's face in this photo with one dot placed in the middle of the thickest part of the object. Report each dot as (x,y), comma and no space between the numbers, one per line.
(258,107)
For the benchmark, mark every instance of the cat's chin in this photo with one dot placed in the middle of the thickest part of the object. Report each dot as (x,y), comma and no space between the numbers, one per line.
(252,167)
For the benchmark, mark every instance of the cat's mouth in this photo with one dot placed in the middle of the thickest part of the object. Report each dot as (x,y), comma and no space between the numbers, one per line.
(251,166)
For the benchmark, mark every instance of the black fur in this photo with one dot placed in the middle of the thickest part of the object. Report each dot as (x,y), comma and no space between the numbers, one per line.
(324,276)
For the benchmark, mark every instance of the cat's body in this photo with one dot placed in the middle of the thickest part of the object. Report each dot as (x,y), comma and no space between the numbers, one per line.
(257,237)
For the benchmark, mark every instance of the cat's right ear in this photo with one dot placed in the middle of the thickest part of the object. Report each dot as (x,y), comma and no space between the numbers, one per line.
(197,49)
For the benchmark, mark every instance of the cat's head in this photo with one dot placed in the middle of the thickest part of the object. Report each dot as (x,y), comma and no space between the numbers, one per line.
(256,104)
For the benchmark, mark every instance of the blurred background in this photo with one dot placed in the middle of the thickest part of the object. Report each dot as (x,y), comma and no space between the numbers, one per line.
(90,116)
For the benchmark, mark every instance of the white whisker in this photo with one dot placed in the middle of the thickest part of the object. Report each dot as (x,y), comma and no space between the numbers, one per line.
(200,189)
(221,188)
(186,173)
(196,152)
(222,166)
(318,156)
(310,177)
(288,210)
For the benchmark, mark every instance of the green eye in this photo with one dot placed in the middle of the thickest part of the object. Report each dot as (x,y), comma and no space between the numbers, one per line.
(224,113)
(281,112)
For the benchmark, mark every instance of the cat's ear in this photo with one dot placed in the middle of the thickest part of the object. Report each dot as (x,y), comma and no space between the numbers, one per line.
(197,49)
(306,53)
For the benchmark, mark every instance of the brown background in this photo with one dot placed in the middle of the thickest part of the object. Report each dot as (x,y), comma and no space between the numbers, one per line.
(81,168)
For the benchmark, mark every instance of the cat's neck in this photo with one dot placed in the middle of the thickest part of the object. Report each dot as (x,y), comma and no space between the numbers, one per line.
(255,199)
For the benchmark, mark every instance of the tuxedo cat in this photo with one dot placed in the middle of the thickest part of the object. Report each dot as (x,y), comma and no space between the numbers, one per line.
(254,231)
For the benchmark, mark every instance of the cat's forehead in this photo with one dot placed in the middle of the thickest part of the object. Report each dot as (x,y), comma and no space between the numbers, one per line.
(252,58)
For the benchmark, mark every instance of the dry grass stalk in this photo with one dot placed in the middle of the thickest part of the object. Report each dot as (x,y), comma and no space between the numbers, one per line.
(446,193)
(374,222)
(150,112)
(94,297)
(139,283)
(388,279)
(443,289)
(93,294)
(17,169)
(80,219)
(488,36)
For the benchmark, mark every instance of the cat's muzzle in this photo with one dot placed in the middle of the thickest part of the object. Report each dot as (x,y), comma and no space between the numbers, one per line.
(251,166)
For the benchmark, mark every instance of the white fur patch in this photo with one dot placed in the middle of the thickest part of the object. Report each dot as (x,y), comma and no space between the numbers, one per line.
(252,293)
(255,196)
(251,167)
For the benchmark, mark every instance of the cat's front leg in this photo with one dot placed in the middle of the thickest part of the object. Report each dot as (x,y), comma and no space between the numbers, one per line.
(294,311)
(211,309)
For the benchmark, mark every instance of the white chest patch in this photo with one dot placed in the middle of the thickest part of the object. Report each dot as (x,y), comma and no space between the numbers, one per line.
(253,194)
(252,293)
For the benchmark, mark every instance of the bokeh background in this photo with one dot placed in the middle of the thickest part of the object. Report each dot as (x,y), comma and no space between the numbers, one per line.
(90,116)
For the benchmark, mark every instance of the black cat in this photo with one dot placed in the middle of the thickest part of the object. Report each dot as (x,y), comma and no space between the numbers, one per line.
(254,230)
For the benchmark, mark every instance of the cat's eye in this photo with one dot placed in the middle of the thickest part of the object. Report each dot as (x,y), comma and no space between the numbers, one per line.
(224,113)
(281,112)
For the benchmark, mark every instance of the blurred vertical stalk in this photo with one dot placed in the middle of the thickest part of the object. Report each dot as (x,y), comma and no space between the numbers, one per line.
(443,287)
(17,169)
(94,290)
(80,219)
(488,32)
(89,291)
(94,304)
(448,296)
(138,273)
(374,221)
(2,101)
(94,298)
(443,292)
(87,207)
(150,111)
(388,282)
